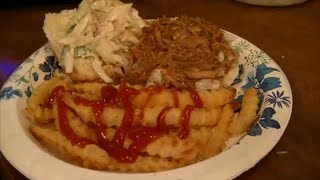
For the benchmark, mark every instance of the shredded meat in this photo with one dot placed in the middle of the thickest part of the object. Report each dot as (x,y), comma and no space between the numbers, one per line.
(185,49)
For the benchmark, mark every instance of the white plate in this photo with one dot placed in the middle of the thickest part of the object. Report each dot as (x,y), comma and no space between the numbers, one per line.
(257,69)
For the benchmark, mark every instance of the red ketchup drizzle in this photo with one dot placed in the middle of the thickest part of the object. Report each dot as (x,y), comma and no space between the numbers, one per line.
(186,113)
(174,93)
(161,124)
(120,134)
(235,105)
(63,118)
(150,90)
(111,96)
(126,94)
(53,96)
(141,136)
(185,118)
(108,94)
(196,98)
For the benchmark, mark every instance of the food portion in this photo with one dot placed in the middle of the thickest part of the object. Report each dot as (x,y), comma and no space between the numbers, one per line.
(106,40)
(116,130)
(90,41)
(184,50)
(134,95)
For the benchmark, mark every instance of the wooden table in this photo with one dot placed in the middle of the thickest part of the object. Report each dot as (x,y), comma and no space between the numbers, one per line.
(289,35)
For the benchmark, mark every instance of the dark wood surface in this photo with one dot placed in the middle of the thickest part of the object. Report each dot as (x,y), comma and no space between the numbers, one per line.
(289,35)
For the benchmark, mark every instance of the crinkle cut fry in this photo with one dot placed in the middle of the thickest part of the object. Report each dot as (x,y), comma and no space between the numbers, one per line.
(248,112)
(210,99)
(79,127)
(220,134)
(167,146)
(40,114)
(169,150)
(92,156)
(171,146)
(90,90)
(112,117)
(35,104)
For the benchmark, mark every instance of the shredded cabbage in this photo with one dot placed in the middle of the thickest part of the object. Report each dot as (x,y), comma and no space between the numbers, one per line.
(97,66)
(103,29)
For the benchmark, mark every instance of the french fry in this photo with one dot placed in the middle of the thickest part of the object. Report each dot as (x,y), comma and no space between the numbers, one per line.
(247,114)
(35,104)
(210,99)
(220,134)
(112,117)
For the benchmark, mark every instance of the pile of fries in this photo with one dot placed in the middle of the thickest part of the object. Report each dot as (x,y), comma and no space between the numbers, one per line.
(79,122)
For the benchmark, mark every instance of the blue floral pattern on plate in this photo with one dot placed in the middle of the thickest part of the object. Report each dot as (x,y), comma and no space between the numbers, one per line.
(9,92)
(41,64)
(261,76)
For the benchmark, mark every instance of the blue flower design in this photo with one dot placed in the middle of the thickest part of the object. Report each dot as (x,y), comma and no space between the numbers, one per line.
(35,76)
(28,92)
(256,130)
(8,92)
(278,99)
(251,82)
(270,83)
(265,84)
(48,67)
(265,121)
(260,81)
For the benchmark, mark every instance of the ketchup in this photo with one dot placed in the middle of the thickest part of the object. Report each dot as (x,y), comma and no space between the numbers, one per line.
(150,90)
(53,96)
(141,136)
(185,118)
(161,124)
(236,106)
(111,96)
(63,118)
(186,113)
(174,93)
(196,98)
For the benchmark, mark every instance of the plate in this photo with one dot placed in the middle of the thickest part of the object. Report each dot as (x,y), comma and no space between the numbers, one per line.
(256,69)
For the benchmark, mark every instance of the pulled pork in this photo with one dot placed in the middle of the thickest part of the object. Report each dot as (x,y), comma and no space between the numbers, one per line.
(185,50)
